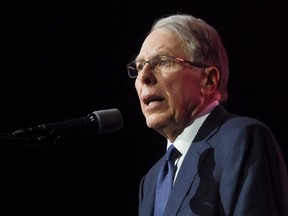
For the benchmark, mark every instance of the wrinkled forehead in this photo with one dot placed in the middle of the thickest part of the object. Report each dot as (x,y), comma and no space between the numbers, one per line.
(161,42)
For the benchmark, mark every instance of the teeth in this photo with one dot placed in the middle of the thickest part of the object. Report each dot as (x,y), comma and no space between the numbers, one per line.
(151,102)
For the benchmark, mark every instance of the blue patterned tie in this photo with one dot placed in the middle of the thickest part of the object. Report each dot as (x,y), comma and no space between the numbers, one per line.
(165,180)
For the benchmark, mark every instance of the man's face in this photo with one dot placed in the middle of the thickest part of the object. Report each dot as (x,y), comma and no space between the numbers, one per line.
(168,100)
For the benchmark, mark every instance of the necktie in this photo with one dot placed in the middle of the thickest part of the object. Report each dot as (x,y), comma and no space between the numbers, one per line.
(165,180)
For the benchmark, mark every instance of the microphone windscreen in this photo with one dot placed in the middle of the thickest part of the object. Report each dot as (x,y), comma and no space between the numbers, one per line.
(109,120)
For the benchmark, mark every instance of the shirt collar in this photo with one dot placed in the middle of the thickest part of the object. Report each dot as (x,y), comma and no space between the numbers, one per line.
(184,140)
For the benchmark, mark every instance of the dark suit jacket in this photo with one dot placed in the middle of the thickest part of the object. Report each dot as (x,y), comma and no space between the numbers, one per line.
(234,166)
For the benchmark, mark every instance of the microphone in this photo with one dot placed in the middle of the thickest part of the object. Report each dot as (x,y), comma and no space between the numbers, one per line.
(99,122)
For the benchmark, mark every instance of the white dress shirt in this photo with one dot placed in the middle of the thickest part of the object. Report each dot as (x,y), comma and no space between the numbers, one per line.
(184,140)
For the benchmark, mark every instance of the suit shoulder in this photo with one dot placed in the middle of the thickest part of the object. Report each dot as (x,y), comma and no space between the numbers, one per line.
(242,122)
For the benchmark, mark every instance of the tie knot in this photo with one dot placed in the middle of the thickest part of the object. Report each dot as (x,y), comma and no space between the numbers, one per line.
(172,153)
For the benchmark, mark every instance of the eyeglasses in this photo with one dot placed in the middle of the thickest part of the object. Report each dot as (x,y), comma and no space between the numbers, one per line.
(160,64)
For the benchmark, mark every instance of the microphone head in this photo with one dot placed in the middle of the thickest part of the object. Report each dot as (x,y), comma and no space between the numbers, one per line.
(109,120)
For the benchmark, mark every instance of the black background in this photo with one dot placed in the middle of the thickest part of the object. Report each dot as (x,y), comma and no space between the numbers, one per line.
(65,59)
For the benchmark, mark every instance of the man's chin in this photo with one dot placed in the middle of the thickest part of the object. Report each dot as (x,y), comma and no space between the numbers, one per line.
(156,120)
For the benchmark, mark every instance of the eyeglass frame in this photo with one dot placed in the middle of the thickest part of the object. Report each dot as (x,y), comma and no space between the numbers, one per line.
(173,58)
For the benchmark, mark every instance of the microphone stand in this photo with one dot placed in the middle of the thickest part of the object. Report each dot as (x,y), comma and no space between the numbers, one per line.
(42,138)
(32,141)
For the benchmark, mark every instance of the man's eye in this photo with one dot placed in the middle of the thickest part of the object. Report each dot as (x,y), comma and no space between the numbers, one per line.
(157,62)
(139,66)
(164,62)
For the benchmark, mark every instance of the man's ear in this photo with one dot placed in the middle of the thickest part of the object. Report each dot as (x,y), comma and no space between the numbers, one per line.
(210,81)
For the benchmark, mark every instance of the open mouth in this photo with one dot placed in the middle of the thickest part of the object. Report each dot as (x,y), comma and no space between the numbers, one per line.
(153,99)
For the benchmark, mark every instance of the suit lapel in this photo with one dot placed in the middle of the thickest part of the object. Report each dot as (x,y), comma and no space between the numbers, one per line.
(150,185)
(193,160)
(186,176)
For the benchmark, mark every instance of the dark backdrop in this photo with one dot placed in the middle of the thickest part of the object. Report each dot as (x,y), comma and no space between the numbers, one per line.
(65,59)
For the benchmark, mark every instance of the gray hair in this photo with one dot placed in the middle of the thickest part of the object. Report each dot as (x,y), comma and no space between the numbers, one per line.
(204,44)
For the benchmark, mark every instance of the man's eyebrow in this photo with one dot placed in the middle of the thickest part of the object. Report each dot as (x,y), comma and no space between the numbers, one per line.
(151,57)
